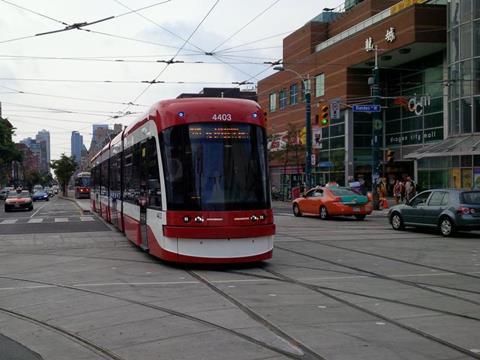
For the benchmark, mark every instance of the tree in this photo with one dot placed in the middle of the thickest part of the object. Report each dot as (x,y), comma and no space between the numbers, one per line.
(64,169)
(8,150)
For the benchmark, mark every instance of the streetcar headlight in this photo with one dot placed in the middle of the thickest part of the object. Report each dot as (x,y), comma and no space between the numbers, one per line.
(186,219)
(181,114)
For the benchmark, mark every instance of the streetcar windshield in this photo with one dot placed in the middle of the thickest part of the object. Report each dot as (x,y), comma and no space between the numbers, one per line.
(82,181)
(215,167)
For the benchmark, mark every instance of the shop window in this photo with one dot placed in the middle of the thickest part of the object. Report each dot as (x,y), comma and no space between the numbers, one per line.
(466,161)
(363,141)
(320,85)
(476,160)
(273,102)
(293,94)
(455,161)
(360,128)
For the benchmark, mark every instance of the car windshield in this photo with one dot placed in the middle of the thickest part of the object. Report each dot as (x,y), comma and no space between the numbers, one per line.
(15,195)
(40,193)
(342,191)
(471,197)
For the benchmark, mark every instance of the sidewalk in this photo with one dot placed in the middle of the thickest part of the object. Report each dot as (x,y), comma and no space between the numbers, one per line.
(83,204)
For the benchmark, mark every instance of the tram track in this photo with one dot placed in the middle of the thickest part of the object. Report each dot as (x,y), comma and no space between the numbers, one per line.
(172,312)
(381,276)
(91,346)
(309,353)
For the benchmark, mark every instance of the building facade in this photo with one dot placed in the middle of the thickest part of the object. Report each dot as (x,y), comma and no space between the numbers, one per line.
(425,90)
(43,139)
(76,146)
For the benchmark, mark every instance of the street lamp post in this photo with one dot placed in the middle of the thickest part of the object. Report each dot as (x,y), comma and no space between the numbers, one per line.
(377,132)
(308,123)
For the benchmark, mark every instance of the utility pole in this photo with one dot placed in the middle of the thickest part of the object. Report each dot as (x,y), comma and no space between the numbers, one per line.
(308,128)
(377,131)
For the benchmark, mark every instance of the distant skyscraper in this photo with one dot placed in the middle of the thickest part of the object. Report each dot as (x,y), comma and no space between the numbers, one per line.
(76,146)
(43,138)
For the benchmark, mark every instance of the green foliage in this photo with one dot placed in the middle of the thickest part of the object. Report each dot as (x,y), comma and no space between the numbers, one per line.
(33,177)
(64,169)
(8,150)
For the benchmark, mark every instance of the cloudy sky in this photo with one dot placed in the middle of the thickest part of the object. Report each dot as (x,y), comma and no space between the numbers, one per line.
(69,80)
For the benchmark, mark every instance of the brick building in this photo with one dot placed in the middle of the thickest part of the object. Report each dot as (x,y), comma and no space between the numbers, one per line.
(336,52)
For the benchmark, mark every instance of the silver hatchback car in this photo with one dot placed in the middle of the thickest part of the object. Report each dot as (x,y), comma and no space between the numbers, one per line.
(448,210)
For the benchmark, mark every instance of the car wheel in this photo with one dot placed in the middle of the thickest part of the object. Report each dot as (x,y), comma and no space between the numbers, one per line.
(360,216)
(7,210)
(397,221)
(323,213)
(48,199)
(296,210)
(30,208)
(446,226)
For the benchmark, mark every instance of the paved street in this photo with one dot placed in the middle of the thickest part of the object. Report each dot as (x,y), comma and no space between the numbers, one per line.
(336,289)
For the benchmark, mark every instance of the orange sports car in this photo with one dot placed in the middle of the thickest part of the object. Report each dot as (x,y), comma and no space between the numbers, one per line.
(333,201)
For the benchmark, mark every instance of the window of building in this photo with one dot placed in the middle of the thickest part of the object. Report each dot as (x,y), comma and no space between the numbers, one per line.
(476,37)
(282,99)
(466,41)
(293,94)
(320,85)
(273,102)
(466,115)
(476,102)
(465,10)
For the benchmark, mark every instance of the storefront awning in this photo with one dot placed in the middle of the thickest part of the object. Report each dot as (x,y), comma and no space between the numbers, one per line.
(452,146)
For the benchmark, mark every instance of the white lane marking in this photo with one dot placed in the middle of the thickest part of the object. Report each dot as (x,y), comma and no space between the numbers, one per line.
(9,221)
(379,323)
(61,219)
(87,218)
(35,221)
(28,287)
(36,212)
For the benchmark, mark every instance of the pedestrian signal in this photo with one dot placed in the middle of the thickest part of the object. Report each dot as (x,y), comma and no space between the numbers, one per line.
(390,156)
(323,114)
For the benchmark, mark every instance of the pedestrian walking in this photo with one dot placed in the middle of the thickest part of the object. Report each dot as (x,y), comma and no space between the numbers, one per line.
(409,189)
(398,190)
(382,192)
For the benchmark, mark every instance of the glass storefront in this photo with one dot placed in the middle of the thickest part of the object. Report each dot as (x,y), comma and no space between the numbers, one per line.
(449,172)
(464,66)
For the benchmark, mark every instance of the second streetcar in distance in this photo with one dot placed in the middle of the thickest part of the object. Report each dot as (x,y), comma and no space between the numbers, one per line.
(189,182)
(82,185)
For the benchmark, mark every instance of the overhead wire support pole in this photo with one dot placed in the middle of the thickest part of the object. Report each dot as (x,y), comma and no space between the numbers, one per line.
(377,130)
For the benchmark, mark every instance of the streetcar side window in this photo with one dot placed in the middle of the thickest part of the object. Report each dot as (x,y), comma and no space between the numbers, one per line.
(104,178)
(154,188)
(129,191)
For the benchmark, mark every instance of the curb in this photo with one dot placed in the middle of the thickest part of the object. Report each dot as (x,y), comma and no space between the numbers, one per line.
(84,211)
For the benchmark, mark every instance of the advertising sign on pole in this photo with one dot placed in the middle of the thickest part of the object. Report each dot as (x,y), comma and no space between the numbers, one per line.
(335,109)
(317,137)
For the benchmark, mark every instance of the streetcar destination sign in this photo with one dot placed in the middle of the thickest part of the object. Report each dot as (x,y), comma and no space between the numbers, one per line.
(367,108)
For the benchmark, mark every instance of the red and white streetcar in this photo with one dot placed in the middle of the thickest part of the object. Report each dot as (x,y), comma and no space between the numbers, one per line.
(189,182)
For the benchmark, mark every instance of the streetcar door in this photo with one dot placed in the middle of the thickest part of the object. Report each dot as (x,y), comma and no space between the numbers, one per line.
(143,202)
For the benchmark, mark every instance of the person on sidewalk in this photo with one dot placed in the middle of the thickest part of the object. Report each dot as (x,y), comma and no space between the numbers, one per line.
(382,192)
(398,190)
(409,189)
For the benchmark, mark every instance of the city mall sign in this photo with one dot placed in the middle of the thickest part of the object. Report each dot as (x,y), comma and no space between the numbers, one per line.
(414,104)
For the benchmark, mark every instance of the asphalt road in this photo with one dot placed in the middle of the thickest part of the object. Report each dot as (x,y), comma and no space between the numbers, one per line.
(336,289)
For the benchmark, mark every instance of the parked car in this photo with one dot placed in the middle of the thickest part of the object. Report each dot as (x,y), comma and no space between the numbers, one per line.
(333,201)
(447,210)
(40,195)
(4,192)
(18,200)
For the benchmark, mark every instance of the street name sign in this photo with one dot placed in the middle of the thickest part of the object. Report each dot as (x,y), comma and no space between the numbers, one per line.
(367,108)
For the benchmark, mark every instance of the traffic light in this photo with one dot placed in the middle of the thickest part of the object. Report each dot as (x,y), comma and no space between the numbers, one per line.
(390,156)
(323,114)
